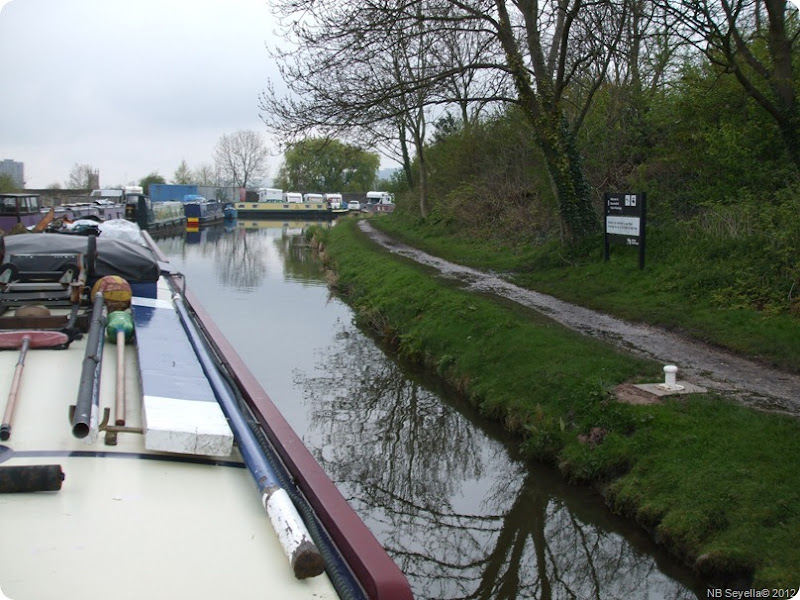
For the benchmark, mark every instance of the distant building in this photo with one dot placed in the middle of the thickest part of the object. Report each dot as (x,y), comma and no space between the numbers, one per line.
(15,170)
(386,174)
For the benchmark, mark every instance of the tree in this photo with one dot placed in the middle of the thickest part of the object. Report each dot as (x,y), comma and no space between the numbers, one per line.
(548,57)
(206,174)
(411,59)
(558,54)
(324,165)
(241,157)
(391,62)
(153,177)
(81,177)
(183,175)
(6,184)
(756,41)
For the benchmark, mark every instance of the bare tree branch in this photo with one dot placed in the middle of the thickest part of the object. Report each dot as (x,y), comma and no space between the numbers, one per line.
(241,157)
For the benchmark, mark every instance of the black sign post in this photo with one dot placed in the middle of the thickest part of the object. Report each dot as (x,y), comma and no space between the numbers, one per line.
(624,222)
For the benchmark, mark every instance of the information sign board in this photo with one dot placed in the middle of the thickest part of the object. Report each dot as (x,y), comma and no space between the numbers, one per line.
(624,221)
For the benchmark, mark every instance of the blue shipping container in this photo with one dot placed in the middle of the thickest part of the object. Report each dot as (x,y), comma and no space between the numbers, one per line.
(165,192)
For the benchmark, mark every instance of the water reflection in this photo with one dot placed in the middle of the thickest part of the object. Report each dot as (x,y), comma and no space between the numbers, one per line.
(459,514)
(247,252)
(457,510)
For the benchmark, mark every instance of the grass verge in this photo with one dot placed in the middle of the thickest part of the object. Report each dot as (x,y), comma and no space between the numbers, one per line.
(716,483)
(731,293)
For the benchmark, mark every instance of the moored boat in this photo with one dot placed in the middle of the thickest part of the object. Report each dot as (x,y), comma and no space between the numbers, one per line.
(99,210)
(26,210)
(275,203)
(229,212)
(302,210)
(200,211)
(19,209)
(146,487)
(150,215)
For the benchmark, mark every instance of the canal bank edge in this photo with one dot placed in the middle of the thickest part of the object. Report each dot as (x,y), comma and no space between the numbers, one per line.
(715,483)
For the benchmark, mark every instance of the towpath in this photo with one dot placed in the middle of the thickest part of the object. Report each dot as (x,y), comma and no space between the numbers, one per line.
(749,382)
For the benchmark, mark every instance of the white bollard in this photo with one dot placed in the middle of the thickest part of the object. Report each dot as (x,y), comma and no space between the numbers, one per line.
(669,375)
(669,384)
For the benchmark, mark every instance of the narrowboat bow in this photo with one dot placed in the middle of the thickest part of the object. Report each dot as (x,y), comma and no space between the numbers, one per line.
(132,435)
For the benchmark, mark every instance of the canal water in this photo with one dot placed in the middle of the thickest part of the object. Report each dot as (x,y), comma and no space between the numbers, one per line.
(442,489)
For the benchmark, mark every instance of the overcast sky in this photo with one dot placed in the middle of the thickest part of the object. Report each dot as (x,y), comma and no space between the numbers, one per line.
(128,86)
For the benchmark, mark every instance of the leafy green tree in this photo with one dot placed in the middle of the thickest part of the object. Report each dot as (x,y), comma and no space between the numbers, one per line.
(757,42)
(490,179)
(327,165)
(183,174)
(445,126)
(153,177)
(6,184)
(715,144)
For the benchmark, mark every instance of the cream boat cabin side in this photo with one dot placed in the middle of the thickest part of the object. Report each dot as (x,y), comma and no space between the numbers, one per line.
(180,477)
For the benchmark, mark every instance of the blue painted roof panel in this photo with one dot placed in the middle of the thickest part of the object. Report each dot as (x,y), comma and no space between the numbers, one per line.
(167,360)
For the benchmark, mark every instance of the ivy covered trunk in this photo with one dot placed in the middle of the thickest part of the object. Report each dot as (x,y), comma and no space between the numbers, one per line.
(564,166)
(542,106)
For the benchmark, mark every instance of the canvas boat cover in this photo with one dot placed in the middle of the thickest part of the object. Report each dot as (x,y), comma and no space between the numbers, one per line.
(114,256)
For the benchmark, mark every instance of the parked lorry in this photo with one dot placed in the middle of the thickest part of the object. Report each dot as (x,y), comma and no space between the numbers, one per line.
(379,202)
(380,198)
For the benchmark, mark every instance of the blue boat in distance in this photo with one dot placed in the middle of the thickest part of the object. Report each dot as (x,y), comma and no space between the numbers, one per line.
(200,211)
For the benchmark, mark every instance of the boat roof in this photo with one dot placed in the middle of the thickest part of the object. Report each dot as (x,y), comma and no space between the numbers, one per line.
(158,498)
(140,521)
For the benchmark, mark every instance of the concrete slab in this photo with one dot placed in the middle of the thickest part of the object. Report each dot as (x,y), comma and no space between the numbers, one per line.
(680,387)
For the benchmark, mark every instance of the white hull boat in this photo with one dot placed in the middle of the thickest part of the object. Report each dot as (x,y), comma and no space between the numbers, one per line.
(155,466)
